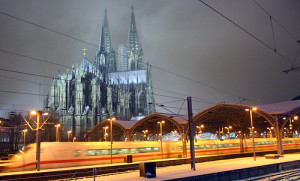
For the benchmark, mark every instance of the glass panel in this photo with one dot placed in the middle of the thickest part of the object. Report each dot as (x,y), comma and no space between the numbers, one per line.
(156,149)
(105,152)
(77,153)
(115,151)
(91,152)
(98,152)
(133,150)
(142,150)
(124,151)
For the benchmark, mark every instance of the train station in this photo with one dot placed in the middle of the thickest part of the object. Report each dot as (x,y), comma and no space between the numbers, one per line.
(221,121)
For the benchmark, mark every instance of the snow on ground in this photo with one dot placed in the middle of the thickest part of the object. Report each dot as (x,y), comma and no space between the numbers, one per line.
(179,171)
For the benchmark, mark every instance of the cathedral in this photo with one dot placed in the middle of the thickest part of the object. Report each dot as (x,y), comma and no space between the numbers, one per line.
(94,91)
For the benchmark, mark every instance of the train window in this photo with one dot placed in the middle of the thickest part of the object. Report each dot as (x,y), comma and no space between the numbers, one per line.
(77,153)
(201,146)
(98,152)
(133,150)
(105,152)
(142,150)
(115,151)
(208,146)
(91,152)
(196,147)
(156,149)
(124,151)
(179,148)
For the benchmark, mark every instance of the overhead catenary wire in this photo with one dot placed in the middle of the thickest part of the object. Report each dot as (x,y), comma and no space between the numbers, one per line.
(275,20)
(172,101)
(196,81)
(247,32)
(288,32)
(48,29)
(45,61)
(7,77)
(67,66)
(273,34)
(33,58)
(177,93)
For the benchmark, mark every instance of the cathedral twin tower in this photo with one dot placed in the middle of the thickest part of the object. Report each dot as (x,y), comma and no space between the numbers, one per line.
(91,92)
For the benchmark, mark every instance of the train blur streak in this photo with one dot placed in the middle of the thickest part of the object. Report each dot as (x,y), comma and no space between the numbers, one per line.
(71,154)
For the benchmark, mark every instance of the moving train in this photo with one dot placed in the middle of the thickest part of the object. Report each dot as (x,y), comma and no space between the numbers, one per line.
(71,154)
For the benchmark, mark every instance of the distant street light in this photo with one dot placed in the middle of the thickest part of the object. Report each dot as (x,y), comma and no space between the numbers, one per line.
(111,138)
(105,133)
(69,132)
(200,128)
(145,134)
(74,139)
(57,133)
(253,109)
(228,129)
(24,131)
(161,141)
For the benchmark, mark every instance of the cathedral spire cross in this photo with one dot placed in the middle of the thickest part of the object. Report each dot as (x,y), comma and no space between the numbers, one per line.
(84,53)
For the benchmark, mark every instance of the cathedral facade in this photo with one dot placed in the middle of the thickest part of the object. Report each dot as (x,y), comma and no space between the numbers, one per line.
(93,91)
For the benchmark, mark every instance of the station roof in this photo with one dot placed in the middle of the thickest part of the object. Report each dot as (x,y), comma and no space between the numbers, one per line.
(126,124)
(281,107)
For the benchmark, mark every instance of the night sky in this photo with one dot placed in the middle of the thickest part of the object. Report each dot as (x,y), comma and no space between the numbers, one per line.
(222,62)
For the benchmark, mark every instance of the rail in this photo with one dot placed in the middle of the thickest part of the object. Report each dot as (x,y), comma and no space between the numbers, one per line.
(90,171)
(278,176)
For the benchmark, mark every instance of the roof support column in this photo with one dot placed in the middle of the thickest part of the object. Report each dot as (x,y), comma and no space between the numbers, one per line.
(278,134)
(184,138)
(128,136)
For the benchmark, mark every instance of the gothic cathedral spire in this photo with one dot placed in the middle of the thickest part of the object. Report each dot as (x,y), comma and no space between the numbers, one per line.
(132,35)
(134,49)
(105,57)
(105,43)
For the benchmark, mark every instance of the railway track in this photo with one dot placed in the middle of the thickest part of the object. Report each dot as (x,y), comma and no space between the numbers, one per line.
(284,175)
(90,171)
(70,174)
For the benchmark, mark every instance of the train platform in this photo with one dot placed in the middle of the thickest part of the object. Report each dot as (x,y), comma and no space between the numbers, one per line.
(184,172)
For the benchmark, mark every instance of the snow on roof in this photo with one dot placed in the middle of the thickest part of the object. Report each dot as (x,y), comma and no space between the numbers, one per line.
(281,107)
(87,66)
(126,124)
(177,117)
(136,77)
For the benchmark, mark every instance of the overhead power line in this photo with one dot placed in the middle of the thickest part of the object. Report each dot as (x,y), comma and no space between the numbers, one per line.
(63,34)
(25,73)
(274,19)
(198,82)
(27,93)
(37,59)
(48,29)
(177,93)
(247,32)
(7,77)
(288,32)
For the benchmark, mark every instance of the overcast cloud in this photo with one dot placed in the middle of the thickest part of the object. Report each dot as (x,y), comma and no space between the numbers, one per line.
(181,36)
